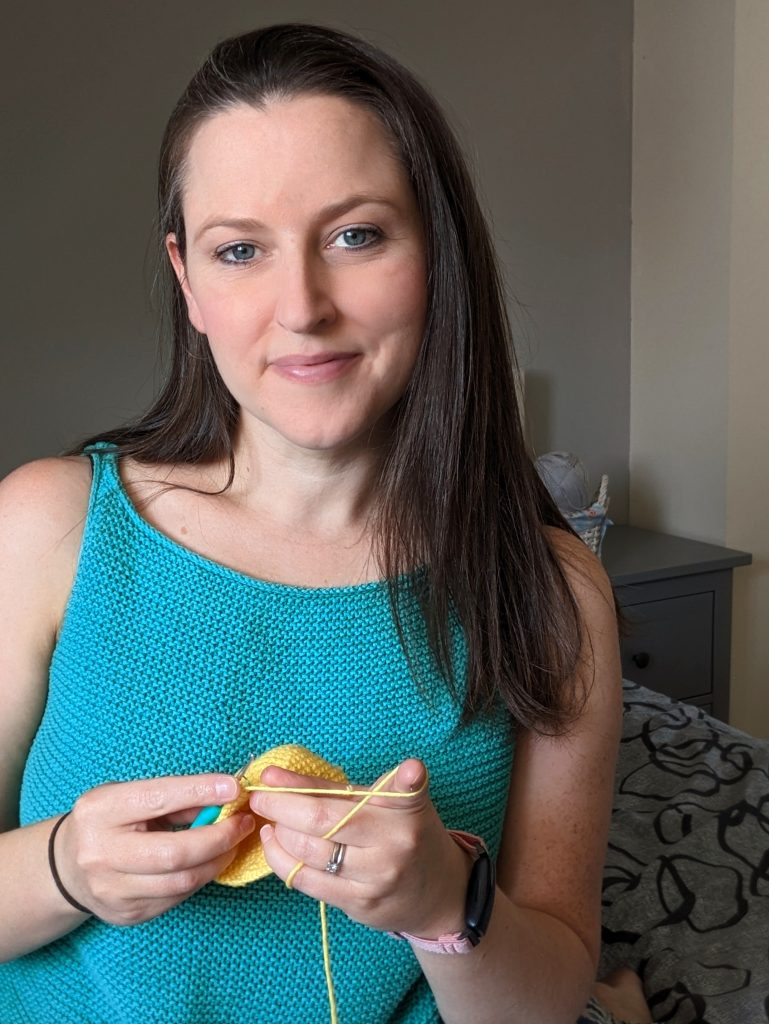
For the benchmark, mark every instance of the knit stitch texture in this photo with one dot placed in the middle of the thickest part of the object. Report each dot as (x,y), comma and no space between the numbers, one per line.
(169,663)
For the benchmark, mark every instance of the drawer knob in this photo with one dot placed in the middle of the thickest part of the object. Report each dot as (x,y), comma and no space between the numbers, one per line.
(641,659)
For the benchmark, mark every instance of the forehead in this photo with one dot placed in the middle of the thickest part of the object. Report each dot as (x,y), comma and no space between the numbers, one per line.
(292,153)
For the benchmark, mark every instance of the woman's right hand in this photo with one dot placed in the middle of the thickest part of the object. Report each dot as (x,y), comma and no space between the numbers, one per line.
(117,854)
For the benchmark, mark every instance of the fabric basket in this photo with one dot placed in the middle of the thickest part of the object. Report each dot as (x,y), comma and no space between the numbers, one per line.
(591,522)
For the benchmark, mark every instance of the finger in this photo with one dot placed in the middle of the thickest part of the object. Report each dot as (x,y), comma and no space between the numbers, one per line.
(279,778)
(318,884)
(180,884)
(159,853)
(125,803)
(142,897)
(317,852)
(411,777)
(403,787)
(314,815)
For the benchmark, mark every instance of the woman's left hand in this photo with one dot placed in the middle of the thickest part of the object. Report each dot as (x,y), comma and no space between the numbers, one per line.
(401,871)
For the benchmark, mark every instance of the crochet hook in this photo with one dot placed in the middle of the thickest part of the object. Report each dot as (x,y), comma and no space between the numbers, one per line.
(209,814)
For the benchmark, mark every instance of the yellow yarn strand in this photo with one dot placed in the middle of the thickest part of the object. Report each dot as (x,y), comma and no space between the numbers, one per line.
(327,964)
(365,795)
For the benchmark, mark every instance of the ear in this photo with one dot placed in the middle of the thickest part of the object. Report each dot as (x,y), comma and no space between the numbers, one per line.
(175,256)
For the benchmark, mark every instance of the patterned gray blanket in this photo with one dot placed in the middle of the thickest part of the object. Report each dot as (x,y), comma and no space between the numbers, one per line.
(686,885)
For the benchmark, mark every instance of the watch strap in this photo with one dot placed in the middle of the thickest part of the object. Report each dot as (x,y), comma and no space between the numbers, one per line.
(478,903)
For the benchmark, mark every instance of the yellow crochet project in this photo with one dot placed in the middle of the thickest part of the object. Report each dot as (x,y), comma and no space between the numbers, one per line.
(250,863)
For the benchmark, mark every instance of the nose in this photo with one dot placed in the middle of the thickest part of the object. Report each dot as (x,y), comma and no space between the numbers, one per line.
(304,304)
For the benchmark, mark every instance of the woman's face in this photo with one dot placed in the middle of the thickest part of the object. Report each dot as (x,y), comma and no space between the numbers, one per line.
(304,267)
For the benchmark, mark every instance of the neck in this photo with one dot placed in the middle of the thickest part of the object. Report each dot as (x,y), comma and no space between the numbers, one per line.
(325,493)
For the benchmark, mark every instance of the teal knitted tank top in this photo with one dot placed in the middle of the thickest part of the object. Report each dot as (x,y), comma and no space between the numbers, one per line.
(169,663)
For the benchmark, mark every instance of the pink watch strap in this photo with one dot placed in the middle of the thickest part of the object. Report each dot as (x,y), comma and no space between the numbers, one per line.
(453,942)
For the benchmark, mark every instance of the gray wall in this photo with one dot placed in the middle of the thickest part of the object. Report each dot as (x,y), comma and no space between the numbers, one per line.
(538,89)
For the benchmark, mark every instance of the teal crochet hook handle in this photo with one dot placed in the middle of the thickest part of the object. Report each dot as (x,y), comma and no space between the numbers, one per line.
(206,817)
(209,814)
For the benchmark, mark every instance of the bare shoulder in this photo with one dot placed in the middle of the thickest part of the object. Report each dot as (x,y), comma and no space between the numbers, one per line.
(43,507)
(585,574)
(47,489)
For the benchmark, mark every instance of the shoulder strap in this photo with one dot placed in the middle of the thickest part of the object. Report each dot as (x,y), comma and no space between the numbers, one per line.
(103,456)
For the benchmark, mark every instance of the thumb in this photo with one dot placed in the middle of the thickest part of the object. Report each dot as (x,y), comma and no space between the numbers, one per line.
(411,776)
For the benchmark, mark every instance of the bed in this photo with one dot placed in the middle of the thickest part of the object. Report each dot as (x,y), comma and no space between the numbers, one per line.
(686,884)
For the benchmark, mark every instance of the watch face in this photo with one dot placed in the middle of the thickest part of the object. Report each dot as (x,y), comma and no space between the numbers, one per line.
(480,897)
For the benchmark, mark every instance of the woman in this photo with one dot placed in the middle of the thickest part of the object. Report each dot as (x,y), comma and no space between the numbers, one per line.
(327,532)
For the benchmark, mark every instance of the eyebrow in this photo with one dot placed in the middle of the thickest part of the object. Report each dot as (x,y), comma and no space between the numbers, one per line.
(327,213)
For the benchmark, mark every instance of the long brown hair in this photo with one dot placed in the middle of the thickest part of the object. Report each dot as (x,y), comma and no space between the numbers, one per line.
(458,492)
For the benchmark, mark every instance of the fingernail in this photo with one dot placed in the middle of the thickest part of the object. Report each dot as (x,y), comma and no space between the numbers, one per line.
(227,790)
(265,833)
(247,824)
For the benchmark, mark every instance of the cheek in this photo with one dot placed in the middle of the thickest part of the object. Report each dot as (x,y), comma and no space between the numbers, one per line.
(395,302)
(412,296)
(231,317)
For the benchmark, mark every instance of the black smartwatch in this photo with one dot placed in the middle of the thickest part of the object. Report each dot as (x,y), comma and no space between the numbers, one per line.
(479,901)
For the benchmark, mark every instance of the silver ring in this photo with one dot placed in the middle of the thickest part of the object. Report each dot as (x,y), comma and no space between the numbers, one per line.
(336,859)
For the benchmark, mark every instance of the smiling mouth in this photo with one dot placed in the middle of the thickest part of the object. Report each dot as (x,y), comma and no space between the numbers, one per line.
(317,368)
(302,359)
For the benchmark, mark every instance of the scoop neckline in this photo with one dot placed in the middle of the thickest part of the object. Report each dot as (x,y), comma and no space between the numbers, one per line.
(112,458)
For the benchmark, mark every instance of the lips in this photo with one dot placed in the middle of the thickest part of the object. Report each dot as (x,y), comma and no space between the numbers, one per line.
(316,367)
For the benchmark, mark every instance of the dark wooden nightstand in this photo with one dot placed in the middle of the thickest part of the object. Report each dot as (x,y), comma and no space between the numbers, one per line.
(677,596)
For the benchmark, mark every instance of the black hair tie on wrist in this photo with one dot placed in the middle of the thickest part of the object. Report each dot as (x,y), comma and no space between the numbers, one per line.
(54,872)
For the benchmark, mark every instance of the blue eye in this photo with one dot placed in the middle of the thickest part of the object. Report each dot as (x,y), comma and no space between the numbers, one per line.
(240,252)
(356,238)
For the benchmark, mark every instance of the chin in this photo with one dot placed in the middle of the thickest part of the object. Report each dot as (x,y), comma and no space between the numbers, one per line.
(329,437)
(326,429)
(327,442)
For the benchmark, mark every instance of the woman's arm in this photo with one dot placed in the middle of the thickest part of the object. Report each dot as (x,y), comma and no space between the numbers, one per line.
(42,508)
(539,957)
(104,854)
(42,511)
